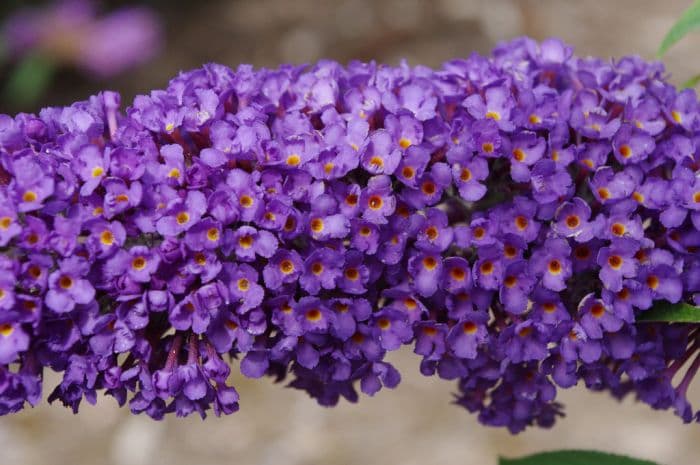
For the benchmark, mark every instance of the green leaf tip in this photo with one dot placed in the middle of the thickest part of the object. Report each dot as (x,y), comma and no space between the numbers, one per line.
(689,20)
(667,312)
(574,457)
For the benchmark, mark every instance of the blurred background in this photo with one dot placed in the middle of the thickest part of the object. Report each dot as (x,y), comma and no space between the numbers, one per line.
(55,53)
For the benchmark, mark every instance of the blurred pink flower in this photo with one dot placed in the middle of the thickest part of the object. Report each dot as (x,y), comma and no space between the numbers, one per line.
(71,32)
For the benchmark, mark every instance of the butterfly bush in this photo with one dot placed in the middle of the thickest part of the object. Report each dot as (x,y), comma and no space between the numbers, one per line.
(508,217)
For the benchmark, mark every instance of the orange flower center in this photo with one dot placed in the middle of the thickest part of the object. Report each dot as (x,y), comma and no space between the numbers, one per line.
(246,201)
(653,282)
(618,229)
(469,327)
(352,274)
(597,310)
(65,282)
(573,221)
(429,263)
(554,267)
(317,225)
(486,268)
(107,238)
(29,196)
(213,234)
(286,266)
(615,261)
(245,241)
(376,162)
(432,233)
(375,202)
(625,151)
(317,268)
(138,263)
(458,274)
(182,218)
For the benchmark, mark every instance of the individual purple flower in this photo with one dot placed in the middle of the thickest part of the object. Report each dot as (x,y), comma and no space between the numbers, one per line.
(496,104)
(488,269)
(139,263)
(632,145)
(662,280)
(379,374)
(412,165)
(182,214)
(430,339)
(405,130)
(248,242)
(356,274)
(430,187)
(525,150)
(365,236)
(322,268)
(468,176)
(468,334)
(244,287)
(106,237)
(31,185)
(607,185)
(119,196)
(377,200)
(426,269)
(9,227)
(617,262)
(552,264)
(525,341)
(206,234)
(576,345)
(457,275)
(548,183)
(313,315)
(520,219)
(596,317)
(572,220)
(418,97)
(68,286)
(394,329)
(284,267)
(516,287)
(434,233)
(93,167)
(326,227)
(381,156)
(13,340)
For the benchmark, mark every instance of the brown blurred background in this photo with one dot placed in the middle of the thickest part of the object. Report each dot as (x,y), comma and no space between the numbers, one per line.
(415,424)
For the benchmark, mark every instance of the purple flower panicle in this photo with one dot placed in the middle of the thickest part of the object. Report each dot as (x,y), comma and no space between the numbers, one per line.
(509,216)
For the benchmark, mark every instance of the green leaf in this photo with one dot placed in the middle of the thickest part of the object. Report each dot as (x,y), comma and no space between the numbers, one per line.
(28,81)
(663,311)
(690,19)
(574,457)
(691,83)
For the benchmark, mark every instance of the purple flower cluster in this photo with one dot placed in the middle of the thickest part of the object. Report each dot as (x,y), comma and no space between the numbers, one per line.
(507,216)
